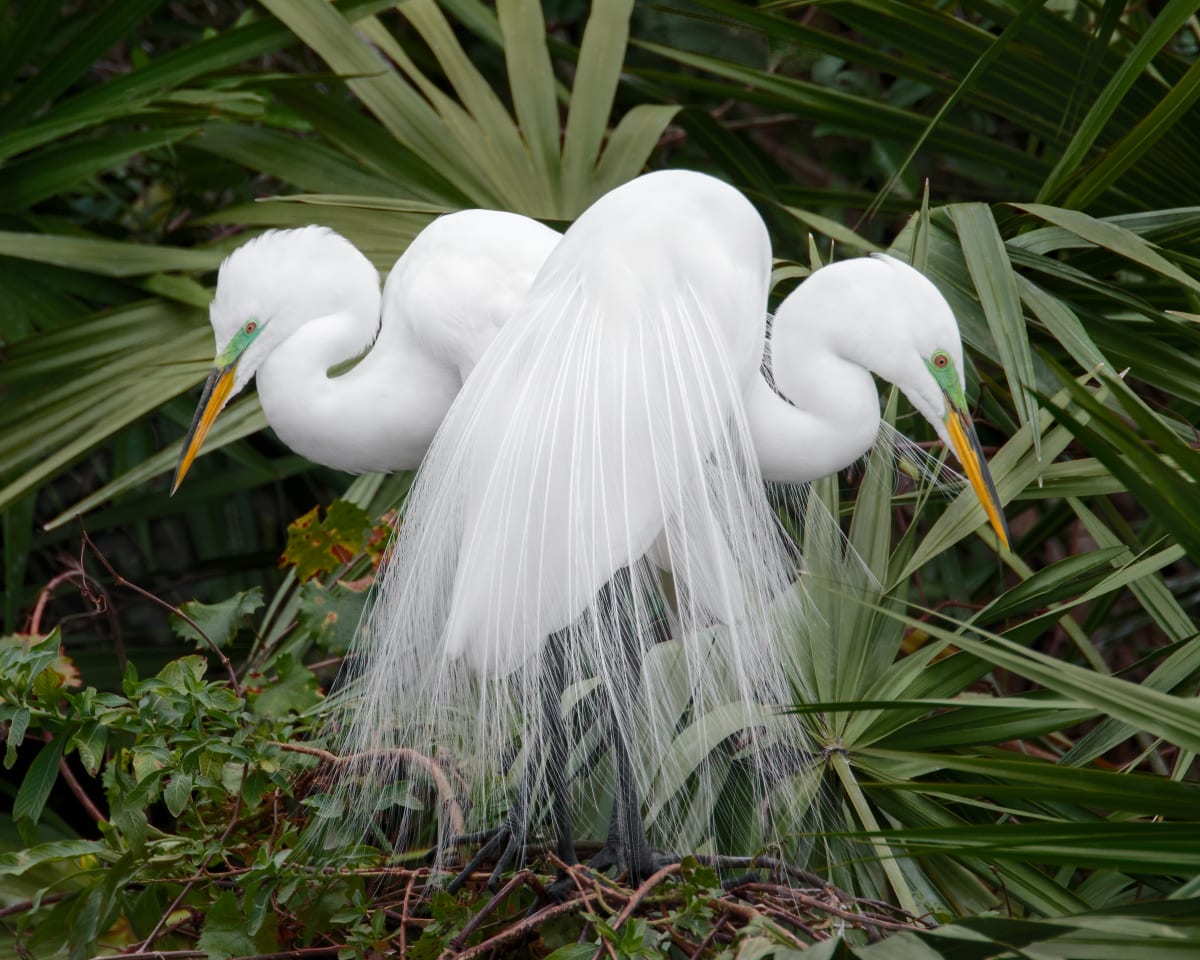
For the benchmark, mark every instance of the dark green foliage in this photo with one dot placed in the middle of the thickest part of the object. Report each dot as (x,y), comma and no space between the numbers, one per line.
(1007,741)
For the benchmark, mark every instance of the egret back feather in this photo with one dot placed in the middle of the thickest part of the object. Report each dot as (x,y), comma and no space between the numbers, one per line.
(607,415)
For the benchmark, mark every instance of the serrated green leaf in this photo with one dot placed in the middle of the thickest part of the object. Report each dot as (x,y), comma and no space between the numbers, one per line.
(225,932)
(18,723)
(294,692)
(218,623)
(319,545)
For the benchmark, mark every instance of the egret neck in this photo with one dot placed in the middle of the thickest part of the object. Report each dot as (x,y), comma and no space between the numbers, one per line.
(401,394)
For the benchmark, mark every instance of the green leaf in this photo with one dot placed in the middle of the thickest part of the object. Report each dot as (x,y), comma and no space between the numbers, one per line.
(531,80)
(1117,159)
(1177,719)
(1136,847)
(1064,578)
(225,932)
(1162,28)
(601,57)
(108,257)
(573,951)
(18,723)
(1026,779)
(994,279)
(1111,236)
(39,780)
(13,863)
(90,742)
(178,794)
(218,622)
(994,50)
(316,546)
(294,692)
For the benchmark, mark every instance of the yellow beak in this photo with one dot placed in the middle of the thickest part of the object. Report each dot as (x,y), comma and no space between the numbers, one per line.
(966,447)
(212,400)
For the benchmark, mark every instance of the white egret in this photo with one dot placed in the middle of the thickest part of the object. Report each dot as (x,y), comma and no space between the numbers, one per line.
(623,406)
(291,304)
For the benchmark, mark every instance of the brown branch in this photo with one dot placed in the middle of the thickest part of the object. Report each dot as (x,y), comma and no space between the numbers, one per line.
(599,884)
(81,795)
(303,953)
(642,892)
(458,823)
(34,624)
(749,913)
(404,918)
(26,905)
(712,933)
(521,928)
(521,878)
(147,595)
(144,947)
(825,906)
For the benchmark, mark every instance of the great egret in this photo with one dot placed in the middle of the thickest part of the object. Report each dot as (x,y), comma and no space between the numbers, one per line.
(291,304)
(621,406)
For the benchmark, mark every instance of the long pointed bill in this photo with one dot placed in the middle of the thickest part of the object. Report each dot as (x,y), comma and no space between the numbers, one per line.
(216,392)
(966,447)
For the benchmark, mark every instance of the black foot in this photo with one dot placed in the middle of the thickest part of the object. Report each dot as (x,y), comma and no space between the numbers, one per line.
(636,861)
(504,841)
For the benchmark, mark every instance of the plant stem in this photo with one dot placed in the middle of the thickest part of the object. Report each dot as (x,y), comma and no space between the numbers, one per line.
(887,858)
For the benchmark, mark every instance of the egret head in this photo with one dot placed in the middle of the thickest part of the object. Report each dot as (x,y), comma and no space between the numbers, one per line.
(266,290)
(911,338)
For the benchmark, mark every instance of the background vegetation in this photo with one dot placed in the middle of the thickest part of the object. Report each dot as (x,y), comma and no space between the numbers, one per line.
(1010,738)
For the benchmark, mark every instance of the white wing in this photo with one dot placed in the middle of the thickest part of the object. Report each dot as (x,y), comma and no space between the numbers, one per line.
(607,413)
(460,280)
(594,422)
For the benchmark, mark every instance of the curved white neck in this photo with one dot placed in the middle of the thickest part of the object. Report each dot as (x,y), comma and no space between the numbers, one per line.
(795,445)
(379,416)
(832,418)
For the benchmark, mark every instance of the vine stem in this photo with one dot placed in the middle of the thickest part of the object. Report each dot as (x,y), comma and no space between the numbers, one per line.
(34,624)
(458,824)
(88,543)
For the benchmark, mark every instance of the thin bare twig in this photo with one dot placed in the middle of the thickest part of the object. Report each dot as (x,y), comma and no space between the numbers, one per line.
(34,624)
(521,928)
(404,917)
(146,594)
(712,933)
(81,795)
(27,905)
(521,878)
(642,892)
(825,906)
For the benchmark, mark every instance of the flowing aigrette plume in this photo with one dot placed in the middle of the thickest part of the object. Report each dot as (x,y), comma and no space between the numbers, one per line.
(589,621)
(588,571)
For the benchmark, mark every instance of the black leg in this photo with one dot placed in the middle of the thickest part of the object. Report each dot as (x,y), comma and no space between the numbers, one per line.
(627,830)
(553,682)
(508,840)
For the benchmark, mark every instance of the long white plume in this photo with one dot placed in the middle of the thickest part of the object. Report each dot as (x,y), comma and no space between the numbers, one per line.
(601,438)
